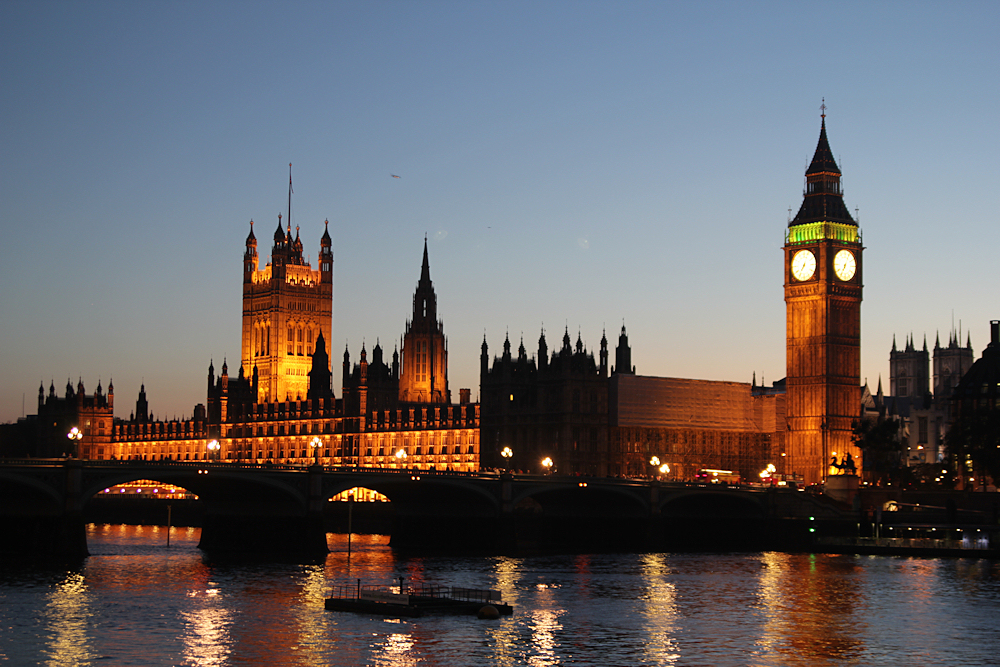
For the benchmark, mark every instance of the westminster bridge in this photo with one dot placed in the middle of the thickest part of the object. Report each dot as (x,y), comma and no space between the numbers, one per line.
(276,509)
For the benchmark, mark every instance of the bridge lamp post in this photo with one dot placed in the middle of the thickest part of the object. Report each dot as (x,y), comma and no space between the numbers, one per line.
(547,464)
(316,444)
(665,469)
(74,435)
(401,457)
(506,453)
(213,450)
(655,461)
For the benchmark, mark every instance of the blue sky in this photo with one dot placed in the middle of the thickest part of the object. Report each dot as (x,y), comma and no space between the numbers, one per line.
(573,164)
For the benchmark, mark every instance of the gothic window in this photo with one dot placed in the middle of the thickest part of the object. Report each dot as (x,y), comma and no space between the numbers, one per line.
(291,340)
(309,342)
(922,430)
(299,349)
(422,361)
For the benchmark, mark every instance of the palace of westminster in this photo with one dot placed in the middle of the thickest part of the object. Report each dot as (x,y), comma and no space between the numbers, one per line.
(586,416)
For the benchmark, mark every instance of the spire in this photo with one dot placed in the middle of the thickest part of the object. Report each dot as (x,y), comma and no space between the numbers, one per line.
(425,268)
(824,198)
(289,198)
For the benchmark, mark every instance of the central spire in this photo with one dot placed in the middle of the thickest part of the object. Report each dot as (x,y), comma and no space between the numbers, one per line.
(824,198)
(425,268)
(289,198)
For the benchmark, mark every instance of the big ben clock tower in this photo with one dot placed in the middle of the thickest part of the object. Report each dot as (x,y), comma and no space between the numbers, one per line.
(823,308)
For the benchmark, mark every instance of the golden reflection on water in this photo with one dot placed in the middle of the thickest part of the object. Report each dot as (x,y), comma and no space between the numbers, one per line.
(504,637)
(68,617)
(660,610)
(543,626)
(206,633)
(395,650)
(313,630)
(814,608)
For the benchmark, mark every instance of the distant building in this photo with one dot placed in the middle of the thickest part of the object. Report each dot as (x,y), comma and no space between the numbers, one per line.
(924,415)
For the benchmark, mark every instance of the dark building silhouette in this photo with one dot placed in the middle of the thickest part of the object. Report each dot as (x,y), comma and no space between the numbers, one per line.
(546,406)
(976,405)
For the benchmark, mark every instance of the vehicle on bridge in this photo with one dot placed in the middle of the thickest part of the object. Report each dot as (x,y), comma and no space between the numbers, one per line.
(715,476)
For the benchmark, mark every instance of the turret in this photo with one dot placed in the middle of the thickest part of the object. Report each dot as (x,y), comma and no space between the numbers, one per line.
(543,351)
(326,254)
(250,259)
(623,355)
(604,354)
(484,360)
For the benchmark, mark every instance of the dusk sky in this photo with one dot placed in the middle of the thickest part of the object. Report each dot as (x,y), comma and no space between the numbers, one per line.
(573,164)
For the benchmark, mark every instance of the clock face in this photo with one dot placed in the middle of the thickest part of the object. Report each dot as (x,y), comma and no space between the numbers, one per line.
(803,265)
(844,264)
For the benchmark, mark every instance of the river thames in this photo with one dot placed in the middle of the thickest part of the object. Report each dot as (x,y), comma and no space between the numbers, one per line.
(136,601)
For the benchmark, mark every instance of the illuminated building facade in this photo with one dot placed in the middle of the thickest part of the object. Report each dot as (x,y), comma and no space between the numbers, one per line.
(823,285)
(287,305)
(691,425)
(384,418)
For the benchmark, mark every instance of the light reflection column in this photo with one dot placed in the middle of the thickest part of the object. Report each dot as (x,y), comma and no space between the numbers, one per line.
(661,611)
(68,616)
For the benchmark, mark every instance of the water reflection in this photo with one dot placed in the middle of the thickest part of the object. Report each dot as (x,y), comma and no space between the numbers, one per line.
(206,637)
(137,601)
(814,607)
(67,618)
(659,611)
(543,625)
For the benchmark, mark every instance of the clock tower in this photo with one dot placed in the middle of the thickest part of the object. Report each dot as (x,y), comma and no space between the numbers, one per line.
(823,322)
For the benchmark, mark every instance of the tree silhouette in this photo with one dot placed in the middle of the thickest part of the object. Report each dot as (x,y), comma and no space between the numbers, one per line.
(881,448)
(975,439)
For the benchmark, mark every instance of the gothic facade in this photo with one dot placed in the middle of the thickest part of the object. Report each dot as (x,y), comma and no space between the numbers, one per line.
(390,416)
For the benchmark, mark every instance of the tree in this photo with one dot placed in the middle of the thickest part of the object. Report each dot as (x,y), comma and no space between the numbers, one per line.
(974,443)
(881,448)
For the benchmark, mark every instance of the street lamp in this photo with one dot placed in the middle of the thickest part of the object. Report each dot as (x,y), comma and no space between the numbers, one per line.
(401,457)
(316,443)
(506,453)
(547,464)
(74,435)
(213,450)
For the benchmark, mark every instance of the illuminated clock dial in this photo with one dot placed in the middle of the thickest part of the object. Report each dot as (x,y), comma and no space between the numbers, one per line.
(803,265)
(844,264)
